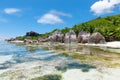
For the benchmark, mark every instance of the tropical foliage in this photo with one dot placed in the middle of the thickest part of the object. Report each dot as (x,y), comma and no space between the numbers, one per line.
(108,26)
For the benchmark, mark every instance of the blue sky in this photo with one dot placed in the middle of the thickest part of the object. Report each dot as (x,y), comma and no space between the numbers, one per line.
(20,16)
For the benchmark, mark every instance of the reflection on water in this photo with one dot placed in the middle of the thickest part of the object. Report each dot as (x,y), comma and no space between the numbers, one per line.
(97,56)
(20,54)
(31,61)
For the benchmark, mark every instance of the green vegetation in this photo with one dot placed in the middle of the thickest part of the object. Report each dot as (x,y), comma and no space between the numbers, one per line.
(59,47)
(31,48)
(20,38)
(108,26)
(65,54)
(109,60)
(65,30)
(36,37)
(31,38)
(48,77)
(48,33)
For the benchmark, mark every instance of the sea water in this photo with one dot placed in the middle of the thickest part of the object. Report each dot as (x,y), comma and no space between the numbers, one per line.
(20,62)
(16,59)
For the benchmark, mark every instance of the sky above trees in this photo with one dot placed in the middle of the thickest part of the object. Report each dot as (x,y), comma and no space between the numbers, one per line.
(20,16)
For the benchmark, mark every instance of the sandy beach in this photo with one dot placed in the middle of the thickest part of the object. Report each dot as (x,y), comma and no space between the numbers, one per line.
(114,44)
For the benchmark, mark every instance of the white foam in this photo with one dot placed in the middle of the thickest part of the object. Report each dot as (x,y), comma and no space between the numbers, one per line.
(5,58)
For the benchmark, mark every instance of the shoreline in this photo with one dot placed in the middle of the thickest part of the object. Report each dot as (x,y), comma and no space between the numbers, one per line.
(16,41)
(112,44)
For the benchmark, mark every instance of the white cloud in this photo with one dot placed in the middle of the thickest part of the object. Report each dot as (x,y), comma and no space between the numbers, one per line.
(104,6)
(60,13)
(52,17)
(11,10)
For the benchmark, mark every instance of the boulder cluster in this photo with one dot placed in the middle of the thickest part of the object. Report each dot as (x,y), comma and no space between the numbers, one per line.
(57,36)
(83,37)
(71,37)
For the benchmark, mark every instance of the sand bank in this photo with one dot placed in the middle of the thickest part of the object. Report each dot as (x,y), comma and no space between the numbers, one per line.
(114,44)
(92,74)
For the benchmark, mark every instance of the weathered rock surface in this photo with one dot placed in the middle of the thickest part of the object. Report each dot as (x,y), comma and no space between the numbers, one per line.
(57,36)
(83,37)
(97,38)
(70,37)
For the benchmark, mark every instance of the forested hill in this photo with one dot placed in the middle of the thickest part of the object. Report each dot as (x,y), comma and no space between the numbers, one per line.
(108,26)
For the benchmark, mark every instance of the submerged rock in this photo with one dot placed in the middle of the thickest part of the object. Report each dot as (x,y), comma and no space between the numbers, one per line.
(83,37)
(97,38)
(49,77)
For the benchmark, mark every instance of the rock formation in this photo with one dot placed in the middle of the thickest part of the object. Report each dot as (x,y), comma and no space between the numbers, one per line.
(83,37)
(67,38)
(57,36)
(70,37)
(97,38)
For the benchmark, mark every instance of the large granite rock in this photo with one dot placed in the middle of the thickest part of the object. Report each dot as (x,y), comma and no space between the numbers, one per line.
(52,38)
(70,37)
(97,38)
(32,33)
(57,36)
(67,38)
(83,37)
(43,40)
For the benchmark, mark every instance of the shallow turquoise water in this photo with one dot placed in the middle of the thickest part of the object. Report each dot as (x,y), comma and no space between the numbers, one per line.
(18,62)
(12,54)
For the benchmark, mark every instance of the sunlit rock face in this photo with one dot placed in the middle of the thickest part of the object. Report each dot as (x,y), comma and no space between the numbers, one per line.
(83,37)
(70,37)
(67,37)
(97,38)
(57,36)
